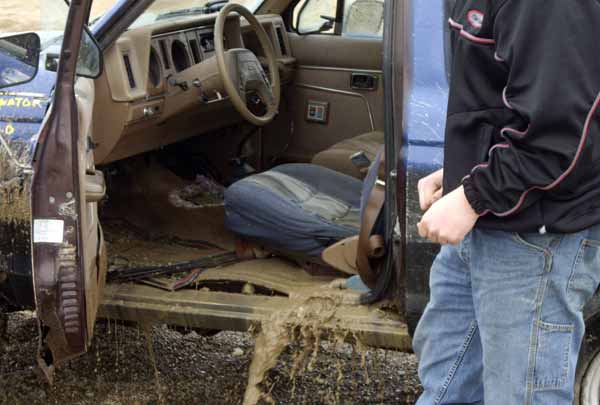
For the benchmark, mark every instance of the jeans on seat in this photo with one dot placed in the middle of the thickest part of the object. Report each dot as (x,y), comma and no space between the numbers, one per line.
(504,323)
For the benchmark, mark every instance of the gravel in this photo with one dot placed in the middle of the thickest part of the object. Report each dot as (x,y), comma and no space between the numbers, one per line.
(195,369)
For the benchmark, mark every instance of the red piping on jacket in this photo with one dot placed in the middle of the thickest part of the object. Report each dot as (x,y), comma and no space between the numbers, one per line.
(471,37)
(510,107)
(514,131)
(584,135)
(505,100)
(498,145)
(486,164)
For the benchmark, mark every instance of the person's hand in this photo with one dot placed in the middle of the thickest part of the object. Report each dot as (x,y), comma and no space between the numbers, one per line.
(430,189)
(448,220)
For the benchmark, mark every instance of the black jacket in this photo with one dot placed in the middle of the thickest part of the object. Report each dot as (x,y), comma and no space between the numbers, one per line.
(523,128)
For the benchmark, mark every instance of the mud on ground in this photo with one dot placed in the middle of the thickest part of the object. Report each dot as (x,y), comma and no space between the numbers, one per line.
(193,369)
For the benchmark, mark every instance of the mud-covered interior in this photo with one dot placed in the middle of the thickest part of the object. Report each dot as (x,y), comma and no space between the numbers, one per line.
(169,141)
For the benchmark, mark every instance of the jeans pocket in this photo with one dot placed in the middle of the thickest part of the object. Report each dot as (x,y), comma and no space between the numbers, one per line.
(537,241)
(552,356)
(537,248)
(585,274)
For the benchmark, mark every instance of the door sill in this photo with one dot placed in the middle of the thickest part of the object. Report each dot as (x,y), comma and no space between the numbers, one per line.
(212,310)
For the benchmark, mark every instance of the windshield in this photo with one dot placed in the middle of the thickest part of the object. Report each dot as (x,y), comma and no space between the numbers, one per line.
(27,16)
(166,9)
(20,16)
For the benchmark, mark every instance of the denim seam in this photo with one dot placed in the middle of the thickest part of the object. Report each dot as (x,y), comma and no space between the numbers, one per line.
(585,243)
(555,244)
(533,342)
(519,239)
(556,327)
(576,263)
(457,363)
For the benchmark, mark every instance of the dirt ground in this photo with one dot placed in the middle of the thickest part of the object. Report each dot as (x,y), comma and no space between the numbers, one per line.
(194,369)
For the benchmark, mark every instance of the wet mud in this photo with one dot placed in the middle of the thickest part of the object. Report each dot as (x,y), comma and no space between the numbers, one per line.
(196,369)
(15,225)
(15,182)
(130,247)
(301,330)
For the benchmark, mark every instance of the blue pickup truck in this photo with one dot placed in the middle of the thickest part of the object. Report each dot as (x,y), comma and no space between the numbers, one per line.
(210,165)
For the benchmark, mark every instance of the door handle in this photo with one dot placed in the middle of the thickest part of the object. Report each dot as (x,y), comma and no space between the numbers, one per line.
(363,81)
(95,186)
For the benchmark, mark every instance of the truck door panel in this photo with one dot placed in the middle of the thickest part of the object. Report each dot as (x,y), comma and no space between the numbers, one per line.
(92,190)
(342,74)
(69,262)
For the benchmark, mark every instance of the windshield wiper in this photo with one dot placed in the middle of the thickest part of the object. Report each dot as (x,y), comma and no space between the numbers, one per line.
(209,8)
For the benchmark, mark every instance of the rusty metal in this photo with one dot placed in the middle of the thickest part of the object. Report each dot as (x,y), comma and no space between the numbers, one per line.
(58,269)
(237,312)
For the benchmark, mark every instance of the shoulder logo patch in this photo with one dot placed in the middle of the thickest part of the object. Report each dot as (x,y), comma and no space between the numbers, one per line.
(475,18)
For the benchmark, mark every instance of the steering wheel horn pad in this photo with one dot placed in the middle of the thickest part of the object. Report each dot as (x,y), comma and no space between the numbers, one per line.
(242,72)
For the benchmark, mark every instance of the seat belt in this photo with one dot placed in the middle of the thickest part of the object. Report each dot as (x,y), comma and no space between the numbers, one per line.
(371,249)
(364,254)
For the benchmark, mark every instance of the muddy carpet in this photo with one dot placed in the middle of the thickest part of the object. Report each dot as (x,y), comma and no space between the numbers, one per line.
(194,369)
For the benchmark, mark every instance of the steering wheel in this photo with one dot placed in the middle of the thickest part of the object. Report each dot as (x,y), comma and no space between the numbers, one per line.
(242,72)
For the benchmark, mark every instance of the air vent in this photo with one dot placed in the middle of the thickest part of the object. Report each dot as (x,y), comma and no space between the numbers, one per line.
(195,51)
(180,56)
(281,40)
(129,71)
(165,54)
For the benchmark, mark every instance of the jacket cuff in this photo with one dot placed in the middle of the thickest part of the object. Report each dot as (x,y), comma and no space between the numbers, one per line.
(473,196)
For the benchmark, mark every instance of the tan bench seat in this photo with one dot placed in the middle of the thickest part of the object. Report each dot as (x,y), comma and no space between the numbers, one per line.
(337,157)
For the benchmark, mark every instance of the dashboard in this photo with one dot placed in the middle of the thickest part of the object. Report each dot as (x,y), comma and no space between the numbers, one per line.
(178,51)
(161,83)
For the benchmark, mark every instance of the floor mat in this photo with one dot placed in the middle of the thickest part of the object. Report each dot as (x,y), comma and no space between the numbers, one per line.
(203,193)
(155,200)
(129,247)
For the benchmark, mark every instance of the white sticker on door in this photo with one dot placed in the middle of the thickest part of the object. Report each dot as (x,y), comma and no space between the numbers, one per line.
(48,230)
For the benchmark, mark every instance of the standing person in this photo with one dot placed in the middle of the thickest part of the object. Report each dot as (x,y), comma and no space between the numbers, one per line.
(519,217)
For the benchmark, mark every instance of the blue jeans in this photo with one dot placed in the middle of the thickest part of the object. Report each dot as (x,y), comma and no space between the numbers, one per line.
(504,323)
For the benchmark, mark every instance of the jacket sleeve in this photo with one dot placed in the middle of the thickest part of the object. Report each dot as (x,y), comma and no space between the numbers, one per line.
(551,50)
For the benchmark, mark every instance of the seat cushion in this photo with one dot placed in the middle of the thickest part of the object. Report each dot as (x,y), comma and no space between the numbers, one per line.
(298,208)
(337,157)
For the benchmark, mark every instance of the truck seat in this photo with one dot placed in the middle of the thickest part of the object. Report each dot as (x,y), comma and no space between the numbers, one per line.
(337,157)
(297,208)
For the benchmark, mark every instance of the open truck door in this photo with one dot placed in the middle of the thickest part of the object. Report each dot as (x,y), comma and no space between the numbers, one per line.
(69,260)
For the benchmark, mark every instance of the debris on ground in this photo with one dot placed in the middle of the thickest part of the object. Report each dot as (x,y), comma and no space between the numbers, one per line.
(203,193)
(196,369)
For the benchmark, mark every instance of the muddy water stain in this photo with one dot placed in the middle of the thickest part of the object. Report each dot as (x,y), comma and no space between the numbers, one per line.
(309,316)
(148,334)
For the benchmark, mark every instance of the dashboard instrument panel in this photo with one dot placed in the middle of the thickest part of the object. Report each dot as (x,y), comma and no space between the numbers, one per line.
(161,84)
(182,49)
